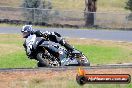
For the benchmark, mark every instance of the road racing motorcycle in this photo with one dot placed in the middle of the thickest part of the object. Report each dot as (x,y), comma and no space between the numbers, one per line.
(51,54)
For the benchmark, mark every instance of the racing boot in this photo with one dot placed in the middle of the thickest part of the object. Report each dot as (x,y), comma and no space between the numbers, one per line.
(69,47)
(66,45)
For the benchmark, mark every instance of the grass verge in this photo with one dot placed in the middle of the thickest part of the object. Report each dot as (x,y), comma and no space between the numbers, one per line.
(105,55)
(12,54)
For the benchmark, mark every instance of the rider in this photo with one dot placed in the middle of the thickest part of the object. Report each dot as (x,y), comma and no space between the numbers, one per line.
(30,36)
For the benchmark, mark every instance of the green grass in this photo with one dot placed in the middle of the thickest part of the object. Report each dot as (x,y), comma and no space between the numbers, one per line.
(16,60)
(12,54)
(105,54)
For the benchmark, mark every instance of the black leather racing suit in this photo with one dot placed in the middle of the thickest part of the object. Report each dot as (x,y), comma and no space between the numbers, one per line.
(55,37)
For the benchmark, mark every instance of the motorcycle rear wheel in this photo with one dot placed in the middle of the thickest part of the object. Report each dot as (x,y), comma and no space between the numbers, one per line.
(46,61)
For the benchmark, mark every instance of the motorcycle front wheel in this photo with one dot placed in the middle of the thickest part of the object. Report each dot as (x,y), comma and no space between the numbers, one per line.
(83,60)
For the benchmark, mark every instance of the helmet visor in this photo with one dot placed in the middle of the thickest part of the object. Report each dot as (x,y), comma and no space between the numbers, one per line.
(25,34)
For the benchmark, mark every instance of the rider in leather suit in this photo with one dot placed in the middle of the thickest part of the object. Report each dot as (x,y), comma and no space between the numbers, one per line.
(30,35)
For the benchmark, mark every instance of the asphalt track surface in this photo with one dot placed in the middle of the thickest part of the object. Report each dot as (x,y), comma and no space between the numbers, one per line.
(114,35)
(112,66)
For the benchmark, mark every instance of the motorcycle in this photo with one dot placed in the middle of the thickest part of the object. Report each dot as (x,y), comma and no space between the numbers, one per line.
(51,54)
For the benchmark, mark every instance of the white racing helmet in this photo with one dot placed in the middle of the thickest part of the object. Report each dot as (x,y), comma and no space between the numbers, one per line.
(26,30)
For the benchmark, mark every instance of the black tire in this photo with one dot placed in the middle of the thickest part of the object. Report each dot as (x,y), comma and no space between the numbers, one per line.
(45,61)
(83,61)
(83,64)
(39,64)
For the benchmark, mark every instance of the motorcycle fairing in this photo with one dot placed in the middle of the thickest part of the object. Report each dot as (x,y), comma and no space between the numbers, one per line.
(55,49)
